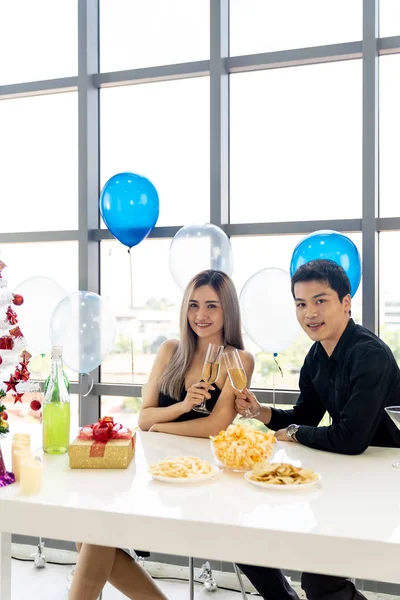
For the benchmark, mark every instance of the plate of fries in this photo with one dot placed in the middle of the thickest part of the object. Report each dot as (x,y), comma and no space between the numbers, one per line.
(240,447)
(281,476)
(182,469)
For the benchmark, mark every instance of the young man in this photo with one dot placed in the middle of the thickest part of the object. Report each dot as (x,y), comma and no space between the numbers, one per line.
(348,372)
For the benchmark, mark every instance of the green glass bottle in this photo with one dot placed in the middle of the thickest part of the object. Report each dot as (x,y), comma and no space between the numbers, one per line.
(56,408)
(66,381)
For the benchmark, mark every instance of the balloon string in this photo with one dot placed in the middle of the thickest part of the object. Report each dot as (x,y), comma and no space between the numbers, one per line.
(131,280)
(91,384)
(275,354)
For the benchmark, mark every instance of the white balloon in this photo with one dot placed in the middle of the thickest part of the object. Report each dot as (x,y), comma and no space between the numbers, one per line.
(268,310)
(196,248)
(41,295)
(85,327)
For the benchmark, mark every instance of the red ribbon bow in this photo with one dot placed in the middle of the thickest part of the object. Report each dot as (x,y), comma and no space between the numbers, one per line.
(104,430)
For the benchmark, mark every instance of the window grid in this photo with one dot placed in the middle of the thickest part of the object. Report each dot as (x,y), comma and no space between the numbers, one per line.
(220,65)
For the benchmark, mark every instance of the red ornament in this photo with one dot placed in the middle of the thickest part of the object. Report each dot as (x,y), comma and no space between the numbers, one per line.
(17,375)
(11,316)
(6,342)
(1,360)
(36,404)
(17,398)
(25,356)
(16,332)
(4,416)
(11,384)
(18,299)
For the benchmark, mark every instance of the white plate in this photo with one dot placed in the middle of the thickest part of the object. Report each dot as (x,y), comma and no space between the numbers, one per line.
(196,479)
(282,488)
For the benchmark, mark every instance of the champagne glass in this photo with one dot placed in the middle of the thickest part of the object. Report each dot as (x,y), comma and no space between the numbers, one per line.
(237,375)
(211,367)
(394,414)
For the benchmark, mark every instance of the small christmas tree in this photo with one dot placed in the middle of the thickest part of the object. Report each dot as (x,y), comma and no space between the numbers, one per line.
(3,417)
(14,359)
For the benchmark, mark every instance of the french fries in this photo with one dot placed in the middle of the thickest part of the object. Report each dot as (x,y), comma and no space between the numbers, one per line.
(181,466)
(241,447)
(282,474)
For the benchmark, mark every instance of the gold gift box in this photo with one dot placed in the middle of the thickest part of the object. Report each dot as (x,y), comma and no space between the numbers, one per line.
(89,454)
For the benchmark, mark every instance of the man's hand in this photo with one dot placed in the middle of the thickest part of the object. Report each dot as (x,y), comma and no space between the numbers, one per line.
(246,403)
(282,437)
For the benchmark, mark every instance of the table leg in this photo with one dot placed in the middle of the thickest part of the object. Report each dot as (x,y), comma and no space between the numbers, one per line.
(5,566)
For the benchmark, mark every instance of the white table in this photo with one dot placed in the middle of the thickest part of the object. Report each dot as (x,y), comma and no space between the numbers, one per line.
(348,525)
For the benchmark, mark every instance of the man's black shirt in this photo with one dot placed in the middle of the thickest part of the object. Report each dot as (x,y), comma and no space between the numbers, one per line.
(354,385)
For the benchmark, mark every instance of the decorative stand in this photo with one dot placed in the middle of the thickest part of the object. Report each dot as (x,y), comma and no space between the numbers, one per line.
(39,559)
(209,583)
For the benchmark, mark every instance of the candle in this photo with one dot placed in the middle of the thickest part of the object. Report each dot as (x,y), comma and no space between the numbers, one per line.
(31,475)
(18,453)
(22,438)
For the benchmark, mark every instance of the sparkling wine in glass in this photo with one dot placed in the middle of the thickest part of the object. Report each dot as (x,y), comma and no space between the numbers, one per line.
(237,375)
(211,367)
(394,414)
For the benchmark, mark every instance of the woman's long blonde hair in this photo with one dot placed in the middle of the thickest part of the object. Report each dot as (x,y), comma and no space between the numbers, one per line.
(172,380)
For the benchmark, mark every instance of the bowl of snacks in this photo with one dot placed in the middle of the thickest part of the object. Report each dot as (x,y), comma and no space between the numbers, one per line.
(282,476)
(240,447)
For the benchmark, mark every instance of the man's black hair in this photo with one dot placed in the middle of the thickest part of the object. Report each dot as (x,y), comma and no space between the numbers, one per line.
(325,271)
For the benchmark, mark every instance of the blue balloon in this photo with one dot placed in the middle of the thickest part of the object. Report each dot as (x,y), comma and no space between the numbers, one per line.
(129,206)
(329,245)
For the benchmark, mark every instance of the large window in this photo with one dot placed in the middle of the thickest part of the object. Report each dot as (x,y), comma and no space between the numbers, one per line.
(389,130)
(38,40)
(155,32)
(39,163)
(266,25)
(161,131)
(296,143)
(260,116)
(147,315)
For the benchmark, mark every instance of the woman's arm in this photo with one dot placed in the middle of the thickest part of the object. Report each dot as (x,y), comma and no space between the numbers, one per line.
(223,414)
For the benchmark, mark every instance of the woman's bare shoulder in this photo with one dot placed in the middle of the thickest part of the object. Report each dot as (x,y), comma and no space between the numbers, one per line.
(168,348)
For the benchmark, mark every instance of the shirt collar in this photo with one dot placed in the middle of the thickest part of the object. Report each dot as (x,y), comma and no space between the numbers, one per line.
(341,346)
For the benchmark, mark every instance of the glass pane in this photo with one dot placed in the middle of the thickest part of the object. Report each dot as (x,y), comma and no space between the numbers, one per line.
(161,131)
(268,25)
(389,133)
(389,18)
(150,319)
(39,40)
(251,254)
(21,413)
(136,34)
(39,163)
(296,141)
(389,297)
(57,260)
(124,409)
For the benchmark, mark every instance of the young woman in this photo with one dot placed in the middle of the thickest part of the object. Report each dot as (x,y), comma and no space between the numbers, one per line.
(210,314)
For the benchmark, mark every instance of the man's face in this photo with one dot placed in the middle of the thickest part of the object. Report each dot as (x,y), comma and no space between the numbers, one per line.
(320,312)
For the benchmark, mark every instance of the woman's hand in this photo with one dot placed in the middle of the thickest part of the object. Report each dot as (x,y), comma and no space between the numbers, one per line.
(246,401)
(195,395)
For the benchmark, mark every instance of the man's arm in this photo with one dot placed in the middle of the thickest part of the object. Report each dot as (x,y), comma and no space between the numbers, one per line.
(308,409)
(368,388)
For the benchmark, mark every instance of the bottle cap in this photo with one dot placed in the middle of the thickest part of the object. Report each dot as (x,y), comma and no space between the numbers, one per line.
(56,352)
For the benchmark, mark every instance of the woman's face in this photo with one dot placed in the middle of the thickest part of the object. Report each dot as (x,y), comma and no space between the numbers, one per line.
(205,314)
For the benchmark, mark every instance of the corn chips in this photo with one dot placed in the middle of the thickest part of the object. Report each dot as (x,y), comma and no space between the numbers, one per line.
(181,466)
(282,474)
(241,447)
